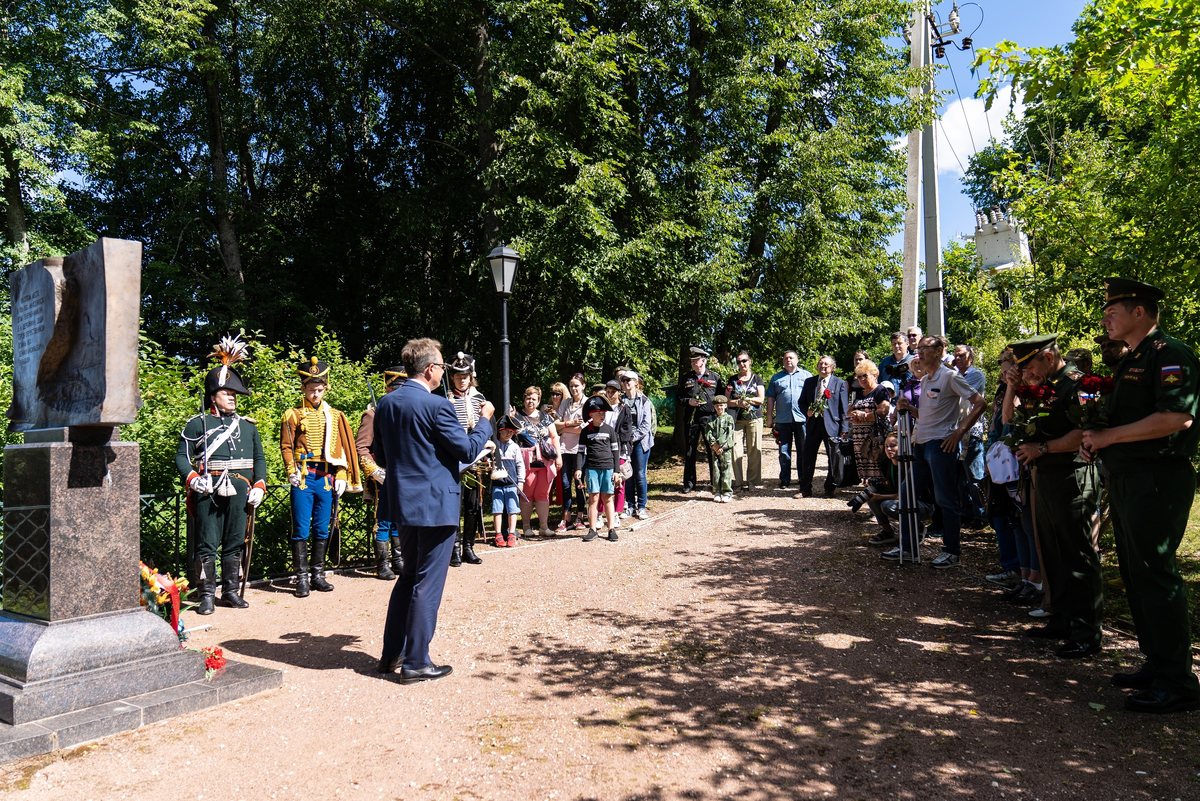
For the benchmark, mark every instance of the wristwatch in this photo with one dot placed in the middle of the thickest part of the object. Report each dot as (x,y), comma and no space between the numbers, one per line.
(1043,447)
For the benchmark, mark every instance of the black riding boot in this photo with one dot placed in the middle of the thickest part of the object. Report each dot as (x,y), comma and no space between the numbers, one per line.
(318,566)
(397,557)
(382,569)
(468,550)
(206,574)
(300,560)
(231,567)
(456,555)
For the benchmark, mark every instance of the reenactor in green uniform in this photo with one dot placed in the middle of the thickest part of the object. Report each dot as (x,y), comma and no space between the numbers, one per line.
(1147,455)
(1066,492)
(220,458)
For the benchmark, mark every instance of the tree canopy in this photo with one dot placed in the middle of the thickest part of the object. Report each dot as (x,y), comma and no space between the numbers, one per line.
(671,173)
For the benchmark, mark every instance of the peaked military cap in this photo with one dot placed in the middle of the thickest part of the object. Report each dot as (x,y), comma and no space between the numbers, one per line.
(228,351)
(396,375)
(698,352)
(1123,289)
(1025,349)
(464,363)
(313,370)
(720,399)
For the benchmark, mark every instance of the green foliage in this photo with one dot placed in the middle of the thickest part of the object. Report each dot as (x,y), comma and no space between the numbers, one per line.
(1104,171)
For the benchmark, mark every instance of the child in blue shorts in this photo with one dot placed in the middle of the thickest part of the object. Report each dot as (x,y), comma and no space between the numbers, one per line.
(599,448)
(506,489)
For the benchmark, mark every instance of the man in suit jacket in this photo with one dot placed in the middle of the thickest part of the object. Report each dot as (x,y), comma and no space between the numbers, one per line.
(826,397)
(420,444)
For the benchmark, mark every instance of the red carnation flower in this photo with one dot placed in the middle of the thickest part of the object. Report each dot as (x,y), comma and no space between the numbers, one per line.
(827,394)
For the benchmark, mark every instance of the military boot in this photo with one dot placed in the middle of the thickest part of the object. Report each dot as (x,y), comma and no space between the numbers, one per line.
(456,554)
(382,569)
(318,566)
(397,557)
(206,575)
(468,550)
(231,567)
(300,561)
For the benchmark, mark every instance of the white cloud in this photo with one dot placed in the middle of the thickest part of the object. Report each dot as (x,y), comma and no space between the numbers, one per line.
(963,128)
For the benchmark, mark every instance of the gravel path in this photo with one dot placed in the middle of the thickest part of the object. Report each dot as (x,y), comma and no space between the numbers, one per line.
(756,650)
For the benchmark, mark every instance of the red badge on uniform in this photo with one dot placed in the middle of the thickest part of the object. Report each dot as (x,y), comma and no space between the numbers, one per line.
(1172,375)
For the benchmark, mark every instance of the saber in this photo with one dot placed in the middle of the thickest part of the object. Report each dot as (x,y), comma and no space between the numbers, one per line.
(248,549)
(371,386)
(335,535)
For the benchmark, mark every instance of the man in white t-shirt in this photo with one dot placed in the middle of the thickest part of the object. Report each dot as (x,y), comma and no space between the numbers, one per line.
(936,443)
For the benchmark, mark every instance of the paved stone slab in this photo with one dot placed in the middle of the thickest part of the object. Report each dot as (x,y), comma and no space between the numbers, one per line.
(175,701)
(240,679)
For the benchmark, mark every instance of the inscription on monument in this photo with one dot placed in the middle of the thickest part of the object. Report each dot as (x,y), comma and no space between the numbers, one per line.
(75,327)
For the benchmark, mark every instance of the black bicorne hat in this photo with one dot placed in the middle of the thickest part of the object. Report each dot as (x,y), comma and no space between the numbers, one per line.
(228,351)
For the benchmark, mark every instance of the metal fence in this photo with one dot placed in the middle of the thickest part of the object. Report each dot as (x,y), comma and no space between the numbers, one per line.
(167,538)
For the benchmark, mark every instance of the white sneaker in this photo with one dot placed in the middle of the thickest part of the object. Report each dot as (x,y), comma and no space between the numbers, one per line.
(1040,613)
(729,498)
(719,498)
(641,514)
(623,516)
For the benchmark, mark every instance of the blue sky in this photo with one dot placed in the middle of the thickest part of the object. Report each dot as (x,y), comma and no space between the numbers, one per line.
(964,127)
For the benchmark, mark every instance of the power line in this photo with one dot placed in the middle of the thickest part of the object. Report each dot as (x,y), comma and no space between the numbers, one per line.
(950,145)
(962,105)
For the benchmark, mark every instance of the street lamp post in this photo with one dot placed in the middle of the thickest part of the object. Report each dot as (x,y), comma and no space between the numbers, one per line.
(503,261)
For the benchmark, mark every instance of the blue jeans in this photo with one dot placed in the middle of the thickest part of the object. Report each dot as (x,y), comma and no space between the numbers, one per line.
(636,487)
(789,433)
(384,531)
(970,498)
(312,506)
(934,468)
(1006,540)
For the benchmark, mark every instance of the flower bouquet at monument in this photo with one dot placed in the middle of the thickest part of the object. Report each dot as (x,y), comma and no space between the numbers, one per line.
(1092,411)
(821,404)
(1032,409)
(163,595)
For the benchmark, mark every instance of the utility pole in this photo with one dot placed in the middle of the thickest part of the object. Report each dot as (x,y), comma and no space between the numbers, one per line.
(926,39)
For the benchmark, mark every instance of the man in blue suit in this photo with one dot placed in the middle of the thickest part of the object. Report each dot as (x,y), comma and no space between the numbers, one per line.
(826,397)
(420,444)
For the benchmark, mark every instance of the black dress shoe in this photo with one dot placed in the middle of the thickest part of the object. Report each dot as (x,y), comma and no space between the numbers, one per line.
(1141,680)
(388,665)
(1045,633)
(427,673)
(1160,702)
(1077,650)
(687,488)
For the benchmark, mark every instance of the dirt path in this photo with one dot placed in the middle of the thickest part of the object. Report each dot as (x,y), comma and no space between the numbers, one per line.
(755,650)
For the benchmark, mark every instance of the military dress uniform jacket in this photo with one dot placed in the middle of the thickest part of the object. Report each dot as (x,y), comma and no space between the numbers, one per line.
(703,387)
(1056,423)
(1161,375)
(234,445)
(364,442)
(336,448)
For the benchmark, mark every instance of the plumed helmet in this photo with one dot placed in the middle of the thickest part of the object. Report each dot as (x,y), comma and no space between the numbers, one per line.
(227,352)
(463,363)
(312,370)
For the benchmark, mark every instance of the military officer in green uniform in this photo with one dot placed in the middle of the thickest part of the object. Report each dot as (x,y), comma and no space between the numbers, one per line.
(1146,454)
(220,457)
(1066,492)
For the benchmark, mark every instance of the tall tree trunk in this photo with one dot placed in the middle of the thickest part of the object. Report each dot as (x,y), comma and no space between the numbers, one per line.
(14,203)
(489,146)
(227,238)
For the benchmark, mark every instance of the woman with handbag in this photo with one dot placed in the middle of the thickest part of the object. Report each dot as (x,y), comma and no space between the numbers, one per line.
(869,416)
(540,452)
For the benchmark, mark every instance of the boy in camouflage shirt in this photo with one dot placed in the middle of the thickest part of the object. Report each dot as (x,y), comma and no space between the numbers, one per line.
(718,433)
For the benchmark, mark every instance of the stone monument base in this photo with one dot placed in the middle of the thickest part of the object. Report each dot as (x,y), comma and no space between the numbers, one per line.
(50,668)
(235,680)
